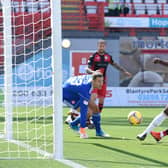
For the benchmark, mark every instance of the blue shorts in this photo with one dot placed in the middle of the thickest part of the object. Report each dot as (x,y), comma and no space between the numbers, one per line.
(72,103)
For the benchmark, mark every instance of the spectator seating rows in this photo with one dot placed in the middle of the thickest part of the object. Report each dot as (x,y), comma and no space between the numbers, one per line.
(30,5)
(133,7)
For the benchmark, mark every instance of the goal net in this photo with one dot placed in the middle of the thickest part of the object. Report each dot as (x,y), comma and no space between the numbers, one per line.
(26,120)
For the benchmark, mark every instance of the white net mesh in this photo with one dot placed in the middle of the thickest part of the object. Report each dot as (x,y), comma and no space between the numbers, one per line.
(32,103)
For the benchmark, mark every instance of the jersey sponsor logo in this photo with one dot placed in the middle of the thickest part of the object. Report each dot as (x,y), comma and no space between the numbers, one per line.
(85,102)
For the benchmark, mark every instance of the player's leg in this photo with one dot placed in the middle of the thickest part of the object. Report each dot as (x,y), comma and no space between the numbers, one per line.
(94,109)
(72,114)
(155,122)
(101,96)
(73,104)
(96,118)
(83,117)
(101,103)
(159,135)
(74,124)
(89,122)
(75,113)
(80,119)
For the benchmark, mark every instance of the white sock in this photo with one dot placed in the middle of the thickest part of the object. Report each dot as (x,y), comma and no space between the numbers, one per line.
(155,122)
(161,134)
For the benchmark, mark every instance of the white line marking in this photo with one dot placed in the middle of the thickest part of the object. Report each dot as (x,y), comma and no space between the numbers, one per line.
(46,155)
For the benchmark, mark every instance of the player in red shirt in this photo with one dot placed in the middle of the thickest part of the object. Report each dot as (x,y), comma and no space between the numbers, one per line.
(99,61)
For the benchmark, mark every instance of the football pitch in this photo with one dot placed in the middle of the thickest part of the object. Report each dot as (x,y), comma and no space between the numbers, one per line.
(122,149)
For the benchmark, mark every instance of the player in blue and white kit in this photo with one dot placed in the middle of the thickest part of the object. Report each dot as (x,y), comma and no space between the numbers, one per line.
(77,92)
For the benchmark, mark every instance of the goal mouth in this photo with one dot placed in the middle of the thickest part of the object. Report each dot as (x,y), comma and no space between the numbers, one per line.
(26,87)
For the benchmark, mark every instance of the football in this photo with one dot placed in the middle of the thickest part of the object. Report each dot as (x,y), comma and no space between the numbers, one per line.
(135,117)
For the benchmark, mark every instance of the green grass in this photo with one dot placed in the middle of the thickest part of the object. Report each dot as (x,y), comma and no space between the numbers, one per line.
(31,164)
(122,149)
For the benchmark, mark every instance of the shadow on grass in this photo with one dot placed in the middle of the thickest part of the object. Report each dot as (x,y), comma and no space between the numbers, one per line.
(154,162)
(122,121)
(155,143)
(112,121)
(111,138)
(132,154)
(121,163)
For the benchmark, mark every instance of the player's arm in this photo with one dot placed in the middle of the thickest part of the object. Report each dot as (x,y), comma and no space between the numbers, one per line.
(120,68)
(89,69)
(83,111)
(92,105)
(159,61)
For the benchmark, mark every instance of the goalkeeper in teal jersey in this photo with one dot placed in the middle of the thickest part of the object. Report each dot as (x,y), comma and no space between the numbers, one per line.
(77,94)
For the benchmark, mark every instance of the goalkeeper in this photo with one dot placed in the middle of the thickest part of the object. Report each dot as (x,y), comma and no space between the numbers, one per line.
(77,93)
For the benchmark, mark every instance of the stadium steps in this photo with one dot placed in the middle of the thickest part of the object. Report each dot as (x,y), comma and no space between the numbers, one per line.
(68,27)
(73,15)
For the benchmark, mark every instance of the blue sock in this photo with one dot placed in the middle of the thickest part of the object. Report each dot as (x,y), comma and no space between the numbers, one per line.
(96,120)
(76,121)
(83,119)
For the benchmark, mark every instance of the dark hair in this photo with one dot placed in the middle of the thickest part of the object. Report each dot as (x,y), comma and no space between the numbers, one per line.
(101,41)
(97,75)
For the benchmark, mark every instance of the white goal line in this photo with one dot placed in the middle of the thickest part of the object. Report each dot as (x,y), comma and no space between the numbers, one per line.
(46,155)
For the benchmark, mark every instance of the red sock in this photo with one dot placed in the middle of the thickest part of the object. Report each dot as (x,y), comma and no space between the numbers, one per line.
(100,107)
(165,132)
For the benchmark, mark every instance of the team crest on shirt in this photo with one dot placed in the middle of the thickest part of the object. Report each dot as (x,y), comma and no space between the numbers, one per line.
(85,102)
(73,102)
(106,58)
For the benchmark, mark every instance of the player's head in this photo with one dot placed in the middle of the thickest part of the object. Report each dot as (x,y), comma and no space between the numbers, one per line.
(97,80)
(101,44)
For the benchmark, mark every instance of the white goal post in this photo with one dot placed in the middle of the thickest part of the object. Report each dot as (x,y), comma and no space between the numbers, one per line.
(31,114)
(7,67)
(57,76)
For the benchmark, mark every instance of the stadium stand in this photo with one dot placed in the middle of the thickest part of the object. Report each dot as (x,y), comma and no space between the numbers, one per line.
(127,8)
(36,24)
(84,15)
(134,7)
(73,15)
(89,14)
